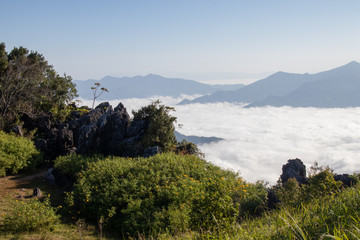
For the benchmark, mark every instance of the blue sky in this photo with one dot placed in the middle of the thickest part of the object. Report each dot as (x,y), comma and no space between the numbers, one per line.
(213,41)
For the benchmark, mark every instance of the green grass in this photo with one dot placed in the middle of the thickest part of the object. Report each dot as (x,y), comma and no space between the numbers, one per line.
(337,217)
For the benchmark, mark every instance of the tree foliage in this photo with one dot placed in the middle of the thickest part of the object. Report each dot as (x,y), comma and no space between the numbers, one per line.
(160,125)
(29,85)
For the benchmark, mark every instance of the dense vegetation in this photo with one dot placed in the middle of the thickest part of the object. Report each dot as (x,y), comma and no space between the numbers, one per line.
(29,85)
(31,216)
(17,153)
(163,193)
(184,197)
(160,125)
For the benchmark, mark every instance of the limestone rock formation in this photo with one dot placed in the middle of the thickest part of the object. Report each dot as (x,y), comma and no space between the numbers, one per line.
(294,168)
(102,130)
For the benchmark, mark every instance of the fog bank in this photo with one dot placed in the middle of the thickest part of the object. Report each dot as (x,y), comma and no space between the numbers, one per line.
(258,141)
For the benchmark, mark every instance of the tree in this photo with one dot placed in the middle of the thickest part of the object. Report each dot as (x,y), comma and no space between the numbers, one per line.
(95,89)
(160,126)
(29,85)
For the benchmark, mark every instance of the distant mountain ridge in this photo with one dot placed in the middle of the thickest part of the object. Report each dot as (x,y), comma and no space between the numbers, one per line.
(196,139)
(148,86)
(339,87)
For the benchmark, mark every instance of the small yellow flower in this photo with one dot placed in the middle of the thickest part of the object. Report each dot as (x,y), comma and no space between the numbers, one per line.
(60,206)
(48,195)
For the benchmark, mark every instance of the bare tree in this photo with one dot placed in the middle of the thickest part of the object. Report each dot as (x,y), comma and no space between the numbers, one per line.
(95,89)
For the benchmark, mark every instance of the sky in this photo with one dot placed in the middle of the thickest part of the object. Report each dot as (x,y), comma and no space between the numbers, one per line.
(213,41)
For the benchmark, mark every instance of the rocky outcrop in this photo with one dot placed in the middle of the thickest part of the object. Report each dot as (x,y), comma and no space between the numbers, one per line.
(294,168)
(102,130)
(346,179)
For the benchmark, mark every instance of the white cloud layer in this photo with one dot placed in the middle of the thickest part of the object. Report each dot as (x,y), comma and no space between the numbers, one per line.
(258,141)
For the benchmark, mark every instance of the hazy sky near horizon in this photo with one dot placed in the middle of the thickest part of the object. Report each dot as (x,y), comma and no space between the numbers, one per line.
(206,40)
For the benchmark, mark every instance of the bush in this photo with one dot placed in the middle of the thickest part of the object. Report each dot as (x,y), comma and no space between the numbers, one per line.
(163,193)
(17,153)
(321,185)
(289,193)
(185,147)
(254,201)
(31,216)
(72,165)
(160,126)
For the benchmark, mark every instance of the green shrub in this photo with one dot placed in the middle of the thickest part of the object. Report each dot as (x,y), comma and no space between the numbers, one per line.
(254,201)
(321,184)
(185,147)
(289,193)
(31,216)
(163,193)
(72,165)
(17,153)
(160,126)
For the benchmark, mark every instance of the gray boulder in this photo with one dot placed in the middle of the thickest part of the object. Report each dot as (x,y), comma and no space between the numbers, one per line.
(294,168)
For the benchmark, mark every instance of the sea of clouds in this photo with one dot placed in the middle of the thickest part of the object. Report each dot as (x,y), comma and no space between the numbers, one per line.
(258,141)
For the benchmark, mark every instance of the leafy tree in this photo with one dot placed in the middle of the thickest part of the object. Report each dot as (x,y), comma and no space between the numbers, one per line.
(160,125)
(29,85)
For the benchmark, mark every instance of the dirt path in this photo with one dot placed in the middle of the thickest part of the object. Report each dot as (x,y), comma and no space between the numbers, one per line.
(18,184)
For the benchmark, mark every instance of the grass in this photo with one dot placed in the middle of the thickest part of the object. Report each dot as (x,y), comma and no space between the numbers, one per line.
(337,217)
